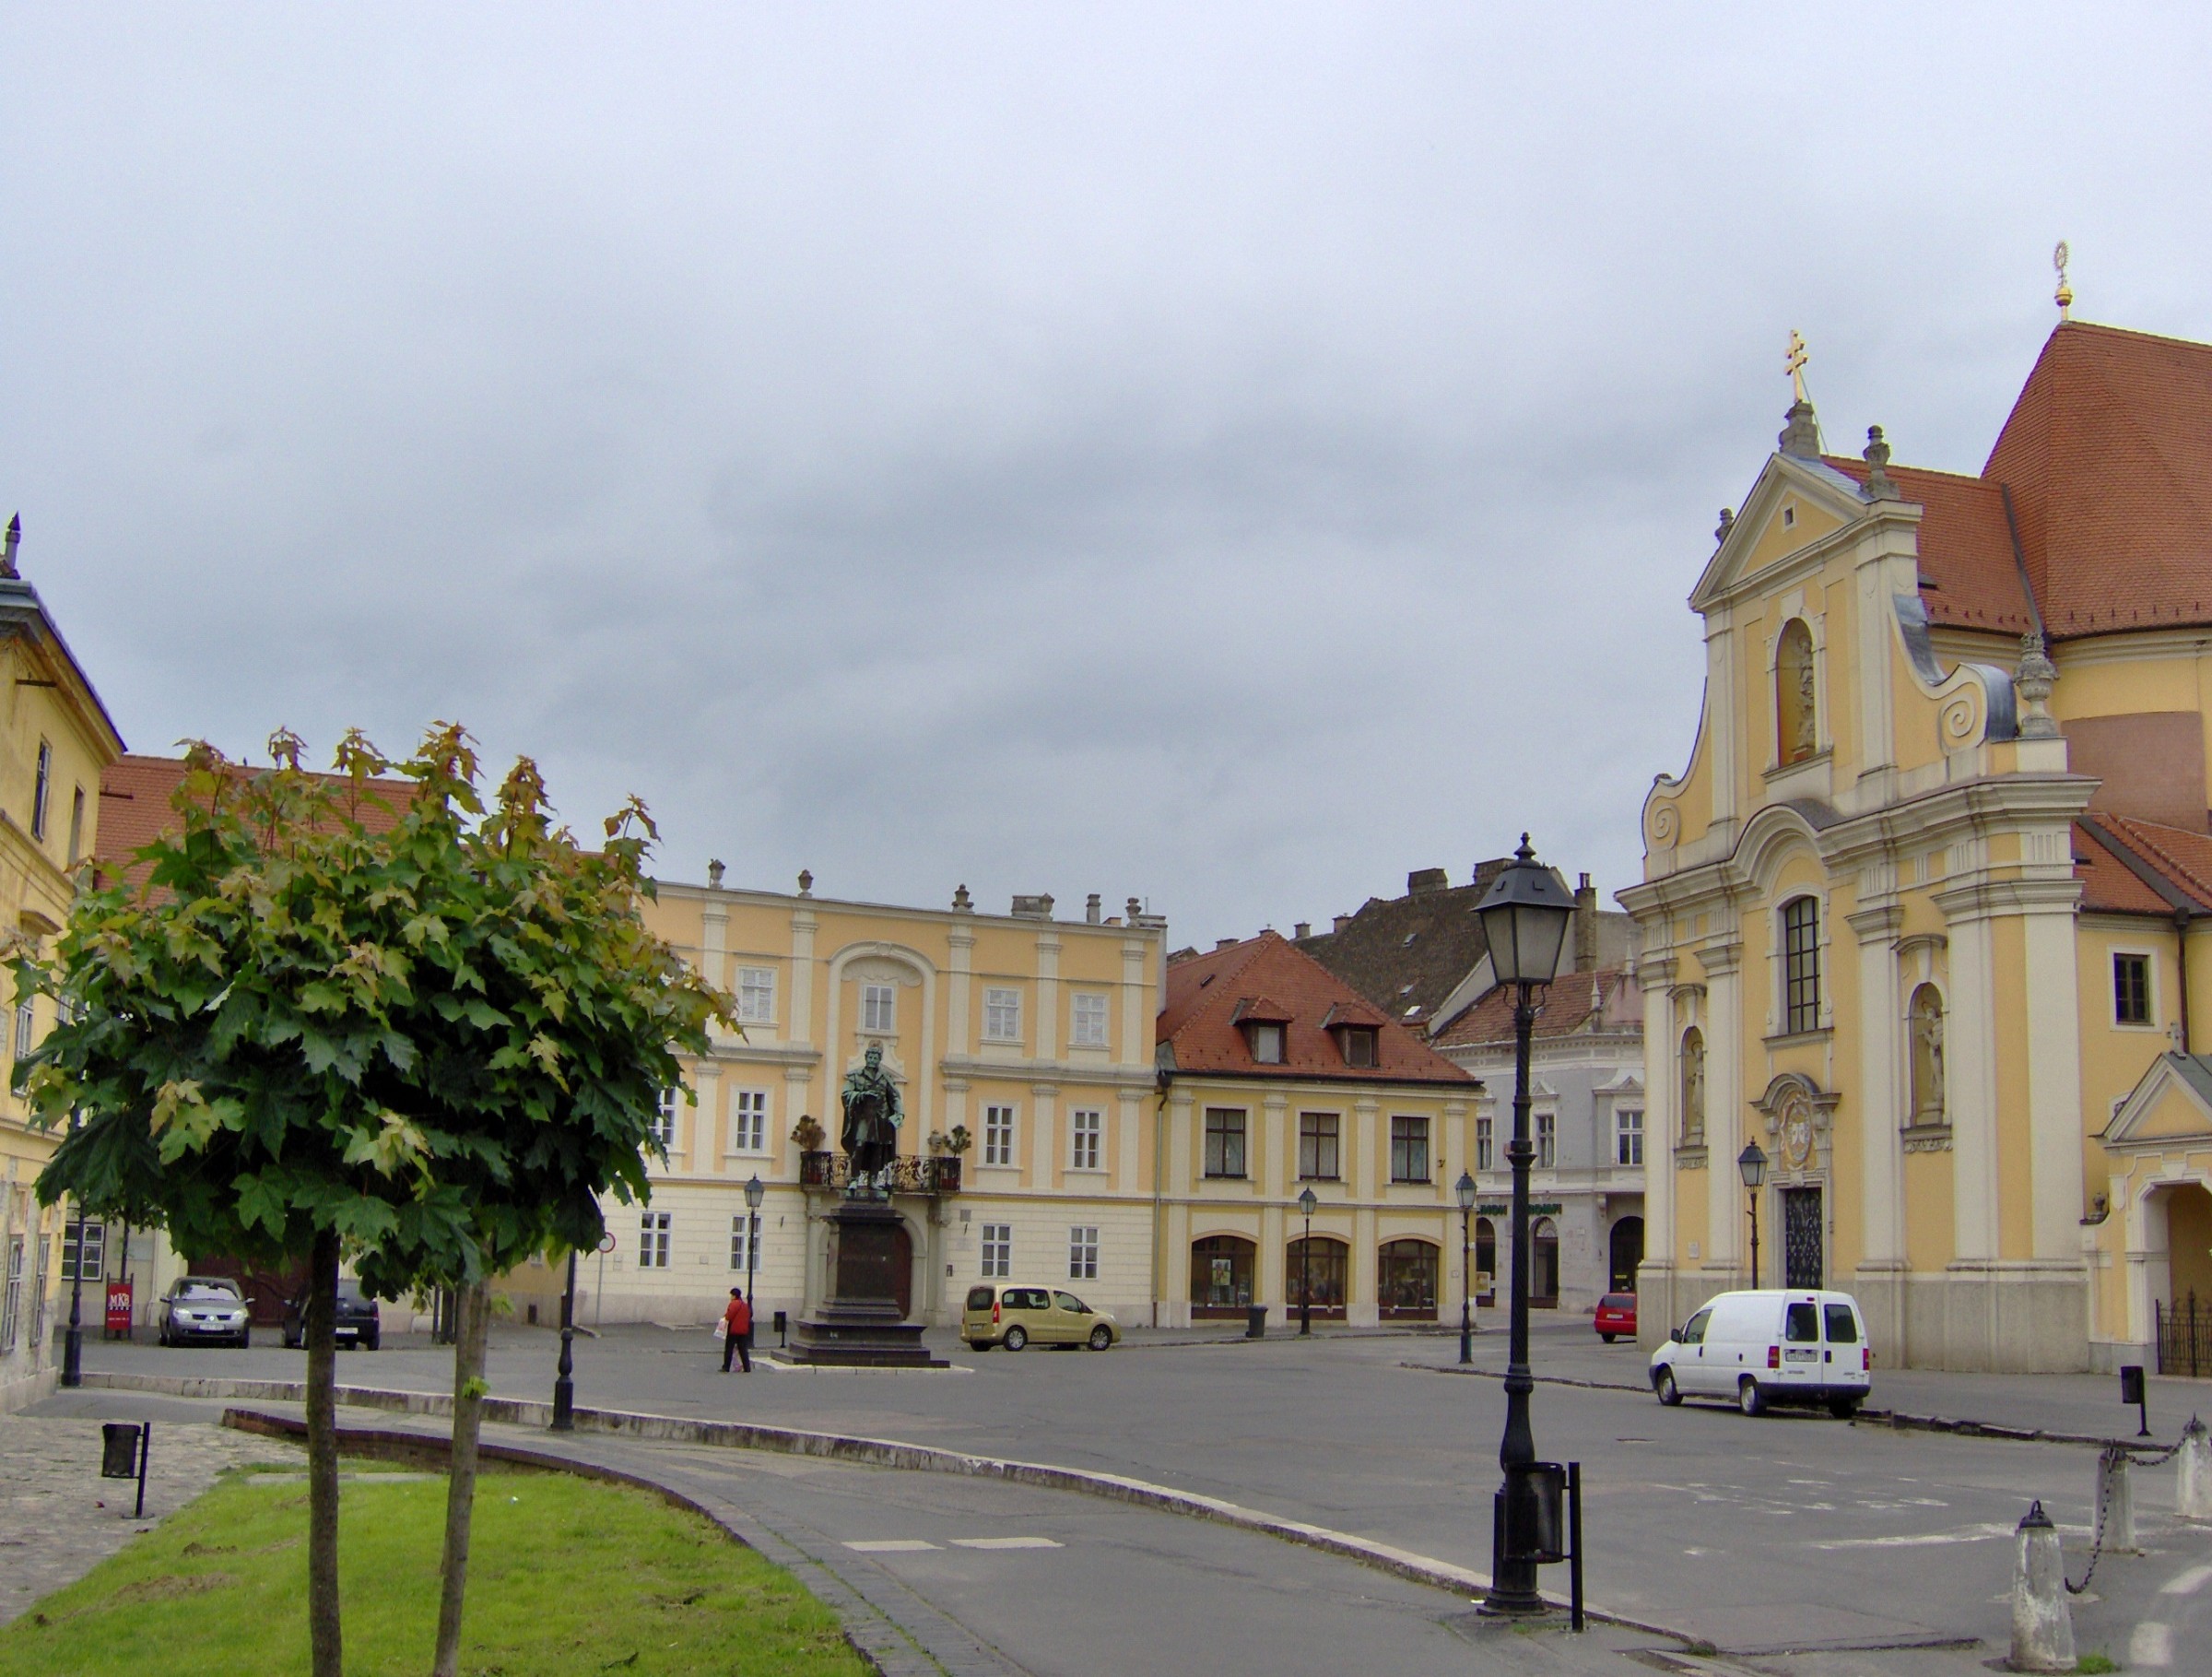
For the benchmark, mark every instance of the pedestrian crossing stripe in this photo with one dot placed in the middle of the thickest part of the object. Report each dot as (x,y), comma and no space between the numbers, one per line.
(895,1545)
(1003,1543)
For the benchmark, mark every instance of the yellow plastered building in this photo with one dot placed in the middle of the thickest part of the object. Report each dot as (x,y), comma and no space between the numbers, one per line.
(1916,919)
(56,739)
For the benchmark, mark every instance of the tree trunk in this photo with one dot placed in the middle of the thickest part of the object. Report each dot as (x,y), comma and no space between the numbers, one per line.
(473,1321)
(323,1457)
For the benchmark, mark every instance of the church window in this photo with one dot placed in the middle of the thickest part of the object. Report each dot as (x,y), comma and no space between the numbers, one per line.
(1002,1016)
(1795,730)
(1924,1025)
(1693,1087)
(879,1009)
(1800,964)
(2131,989)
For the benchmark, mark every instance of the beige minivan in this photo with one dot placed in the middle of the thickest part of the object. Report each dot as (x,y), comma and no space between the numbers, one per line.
(1000,1314)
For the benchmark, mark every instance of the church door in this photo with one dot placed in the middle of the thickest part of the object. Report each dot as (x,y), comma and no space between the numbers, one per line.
(902,1268)
(1801,1265)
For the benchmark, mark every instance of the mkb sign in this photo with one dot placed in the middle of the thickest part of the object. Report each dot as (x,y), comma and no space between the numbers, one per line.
(1504,1208)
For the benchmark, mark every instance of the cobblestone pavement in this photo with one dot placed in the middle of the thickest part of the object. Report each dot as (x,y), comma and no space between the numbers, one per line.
(59,1518)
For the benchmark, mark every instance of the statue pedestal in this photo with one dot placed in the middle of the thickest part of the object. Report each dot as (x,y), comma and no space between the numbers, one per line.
(859,1325)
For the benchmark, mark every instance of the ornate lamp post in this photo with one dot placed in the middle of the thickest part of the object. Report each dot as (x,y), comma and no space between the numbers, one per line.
(1464,1188)
(73,1341)
(754,1194)
(1526,915)
(1752,1163)
(1306,1202)
(564,1386)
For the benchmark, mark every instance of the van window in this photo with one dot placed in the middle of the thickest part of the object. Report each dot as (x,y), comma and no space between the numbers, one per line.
(1027,1298)
(1693,1332)
(1801,1326)
(979,1298)
(1071,1303)
(1842,1327)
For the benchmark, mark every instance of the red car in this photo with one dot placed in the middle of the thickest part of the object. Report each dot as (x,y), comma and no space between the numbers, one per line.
(1616,1317)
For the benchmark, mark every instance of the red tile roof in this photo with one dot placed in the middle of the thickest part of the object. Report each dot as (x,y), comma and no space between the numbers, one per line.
(2108,884)
(1571,1003)
(136,806)
(2178,861)
(1205,993)
(2107,455)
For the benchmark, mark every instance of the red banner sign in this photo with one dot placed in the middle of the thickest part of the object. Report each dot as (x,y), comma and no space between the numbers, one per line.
(119,1308)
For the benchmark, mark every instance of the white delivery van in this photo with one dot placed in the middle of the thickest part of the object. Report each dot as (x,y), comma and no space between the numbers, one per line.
(1778,1345)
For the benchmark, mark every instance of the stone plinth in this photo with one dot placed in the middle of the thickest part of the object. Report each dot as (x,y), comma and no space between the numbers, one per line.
(860,1324)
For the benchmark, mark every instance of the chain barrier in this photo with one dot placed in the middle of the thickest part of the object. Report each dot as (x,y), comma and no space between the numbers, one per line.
(2137,1455)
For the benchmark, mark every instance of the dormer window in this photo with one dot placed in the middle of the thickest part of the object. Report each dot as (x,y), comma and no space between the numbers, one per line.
(1267,1043)
(1359,1043)
(1264,1024)
(1352,1026)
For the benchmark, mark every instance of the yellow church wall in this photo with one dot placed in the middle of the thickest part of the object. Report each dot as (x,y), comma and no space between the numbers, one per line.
(1691,1215)
(2111,678)
(1930,1231)
(2015,1157)
(2115,1057)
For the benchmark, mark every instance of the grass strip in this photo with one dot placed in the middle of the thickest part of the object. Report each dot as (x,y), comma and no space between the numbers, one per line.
(567,1575)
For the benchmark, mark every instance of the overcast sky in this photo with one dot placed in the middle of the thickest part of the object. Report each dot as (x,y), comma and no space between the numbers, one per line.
(1224,456)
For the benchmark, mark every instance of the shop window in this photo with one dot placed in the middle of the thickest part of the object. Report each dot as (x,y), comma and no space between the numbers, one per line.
(1486,1261)
(1221,1272)
(1406,1274)
(1321,1267)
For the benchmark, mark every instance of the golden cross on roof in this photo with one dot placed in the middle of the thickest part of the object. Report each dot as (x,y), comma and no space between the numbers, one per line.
(1795,362)
(2064,296)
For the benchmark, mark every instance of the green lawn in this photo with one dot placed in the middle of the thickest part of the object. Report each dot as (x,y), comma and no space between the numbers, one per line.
(566,1575)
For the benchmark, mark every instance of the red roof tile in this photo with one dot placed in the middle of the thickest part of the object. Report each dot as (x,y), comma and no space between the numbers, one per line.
(136,806)
(2108,884)
(1206,993)
(1567,1005)
(2179,859)
(1969,576)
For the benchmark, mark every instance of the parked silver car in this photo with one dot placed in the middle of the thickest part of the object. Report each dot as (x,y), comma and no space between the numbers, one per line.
(202,1308)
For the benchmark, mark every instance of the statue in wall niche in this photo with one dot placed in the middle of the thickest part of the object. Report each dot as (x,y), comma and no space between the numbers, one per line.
(1926,1027)
(1693,1087)
(1795,701)
(870,1138)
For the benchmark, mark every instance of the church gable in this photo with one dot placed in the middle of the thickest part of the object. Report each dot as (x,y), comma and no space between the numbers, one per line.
(1793,505)
(2172,1103)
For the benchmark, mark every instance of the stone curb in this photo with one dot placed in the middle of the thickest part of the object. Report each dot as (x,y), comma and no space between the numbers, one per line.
(890,1453)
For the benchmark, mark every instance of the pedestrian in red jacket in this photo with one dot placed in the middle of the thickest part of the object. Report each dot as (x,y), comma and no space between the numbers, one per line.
(737,1331)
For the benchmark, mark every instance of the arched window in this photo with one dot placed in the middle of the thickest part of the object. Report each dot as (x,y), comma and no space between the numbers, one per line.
(1323,1269)
(1222,1268)
(1796,731)
(1486,1261)
(1800,964)
(1693,1087)
(1924,1025)
(1406,1281)
(1543,1264)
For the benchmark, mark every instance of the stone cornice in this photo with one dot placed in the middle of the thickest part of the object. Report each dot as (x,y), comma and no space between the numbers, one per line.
(1876,925)
(1984,898)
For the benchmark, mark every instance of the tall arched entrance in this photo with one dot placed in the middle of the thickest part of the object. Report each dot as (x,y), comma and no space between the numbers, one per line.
(2181,1276)
(1626,1253)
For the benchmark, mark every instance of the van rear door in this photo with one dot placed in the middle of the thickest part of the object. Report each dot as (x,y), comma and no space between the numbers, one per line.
(1844,1356)
(1801,1346)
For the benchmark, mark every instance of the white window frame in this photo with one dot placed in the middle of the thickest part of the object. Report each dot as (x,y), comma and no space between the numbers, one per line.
(1002,1015)
(1427,1140)
(1089,1019)
(1546,1136)
(1002,1122)
(880,1009)
(748,1120)
(664,1117)
(755,995)
(1087,1139)
(2111,987)
(997,1251)
(745,1237)
(1083,1253)
(655,1239)
(27,1027)
(97,1246)
(1628,1137)
(1486,1144)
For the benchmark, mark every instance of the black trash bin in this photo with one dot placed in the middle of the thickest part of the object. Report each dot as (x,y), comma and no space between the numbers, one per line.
(782,1327)
(1256,1322)
(119,1449)
(1544,1483)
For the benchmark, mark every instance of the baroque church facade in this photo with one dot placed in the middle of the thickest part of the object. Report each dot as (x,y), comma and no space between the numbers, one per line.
(1916,918)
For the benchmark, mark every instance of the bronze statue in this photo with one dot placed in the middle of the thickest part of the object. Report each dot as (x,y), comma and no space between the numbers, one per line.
(870,1138)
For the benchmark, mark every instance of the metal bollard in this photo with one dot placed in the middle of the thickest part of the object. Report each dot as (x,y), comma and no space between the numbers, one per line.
(2042,1624)
(2116,1498)
(2193,1494)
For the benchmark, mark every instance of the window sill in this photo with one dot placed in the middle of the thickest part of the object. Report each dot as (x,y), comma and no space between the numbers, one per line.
(1321,1179)
(1790,1039)
(1413,1182)
(1223,1176)
(1811,760)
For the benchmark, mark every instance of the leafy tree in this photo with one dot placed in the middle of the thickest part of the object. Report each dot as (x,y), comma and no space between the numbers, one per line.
(429,1036)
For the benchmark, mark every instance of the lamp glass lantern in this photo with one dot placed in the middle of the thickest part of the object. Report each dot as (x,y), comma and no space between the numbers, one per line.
(754,1192)
(1465,1187)
(1308,1203)
(1752,1163)
(1526,915)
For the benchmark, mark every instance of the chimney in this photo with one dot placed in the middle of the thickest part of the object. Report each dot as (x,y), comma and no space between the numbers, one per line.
(1034,908)
(1585,925)
(1222,943)
(1090,909)
(1422,880)
(1343,921)
(1301,931)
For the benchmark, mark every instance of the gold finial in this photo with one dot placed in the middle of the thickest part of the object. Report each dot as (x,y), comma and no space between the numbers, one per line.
(2064,296)
(1795,362)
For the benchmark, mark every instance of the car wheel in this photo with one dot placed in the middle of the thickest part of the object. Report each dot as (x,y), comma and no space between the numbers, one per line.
(371,1340)
(1015,1338)
(979,1345)
(1669,1393)
(1748,1398)
(246,1339)
(1606,1337)
(1101,1337)
(1843,1409)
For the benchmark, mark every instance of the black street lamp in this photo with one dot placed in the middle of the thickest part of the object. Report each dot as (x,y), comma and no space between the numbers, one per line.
(73,1341)
(754,1194)
(1752,1163)
(564,1386)
(1525,918)
(1465,1189)
(1306,1202)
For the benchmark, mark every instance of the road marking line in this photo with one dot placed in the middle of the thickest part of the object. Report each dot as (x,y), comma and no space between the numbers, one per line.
(896,1545)
(2187,1583)
(1003,1543)
(1970,1534)
(2151,1644)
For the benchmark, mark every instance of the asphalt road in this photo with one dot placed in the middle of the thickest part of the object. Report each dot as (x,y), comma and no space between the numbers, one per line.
(1784,1533)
